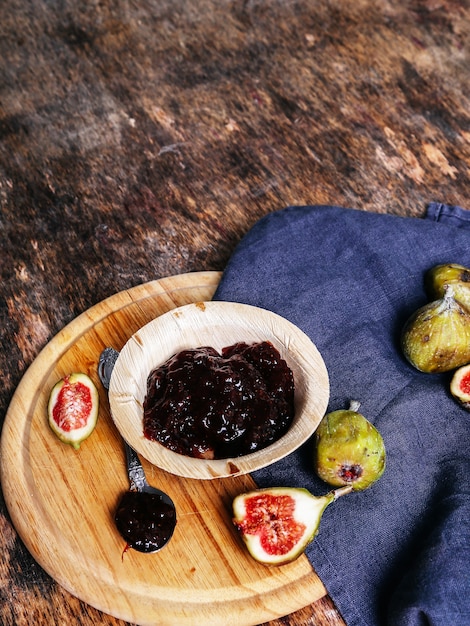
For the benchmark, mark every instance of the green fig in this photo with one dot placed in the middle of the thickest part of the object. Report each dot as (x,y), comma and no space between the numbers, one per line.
(437,279)
(460,386)
(348,449)
(436,338)
(278,523)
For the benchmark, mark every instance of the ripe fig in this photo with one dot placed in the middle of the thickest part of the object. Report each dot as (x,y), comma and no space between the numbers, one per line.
(73,408)
(436,338)
(460,386)
(277,524)
(349,450)
(437,279)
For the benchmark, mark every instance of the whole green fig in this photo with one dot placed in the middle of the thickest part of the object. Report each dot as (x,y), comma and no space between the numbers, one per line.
(439,277)
(436,338)
(348,450)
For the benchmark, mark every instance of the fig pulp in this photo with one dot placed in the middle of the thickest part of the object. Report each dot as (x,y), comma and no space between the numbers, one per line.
(436,338)
(438,278)
(349,450)
(73,408)
(277,524)
(460,386)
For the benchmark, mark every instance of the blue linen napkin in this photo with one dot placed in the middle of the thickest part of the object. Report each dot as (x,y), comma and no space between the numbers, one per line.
(397,554)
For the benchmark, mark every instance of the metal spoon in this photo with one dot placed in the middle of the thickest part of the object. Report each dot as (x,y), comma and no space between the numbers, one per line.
(146,516)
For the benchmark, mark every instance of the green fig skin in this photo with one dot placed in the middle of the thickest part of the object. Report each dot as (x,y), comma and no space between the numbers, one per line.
(436,338)
(348,450)
(278,523)
(439,277)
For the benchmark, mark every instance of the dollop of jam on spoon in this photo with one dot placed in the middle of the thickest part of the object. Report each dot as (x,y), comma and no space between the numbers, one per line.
(145,516)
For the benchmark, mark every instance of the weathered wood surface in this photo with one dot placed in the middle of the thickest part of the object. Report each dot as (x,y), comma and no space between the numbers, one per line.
(143,139)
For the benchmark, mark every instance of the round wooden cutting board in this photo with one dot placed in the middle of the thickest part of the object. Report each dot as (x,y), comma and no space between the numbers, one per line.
(62,501)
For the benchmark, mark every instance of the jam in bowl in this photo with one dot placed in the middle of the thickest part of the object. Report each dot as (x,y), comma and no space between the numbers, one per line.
(215,389)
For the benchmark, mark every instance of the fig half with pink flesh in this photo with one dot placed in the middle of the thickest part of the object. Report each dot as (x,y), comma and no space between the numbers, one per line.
(278,523)
(73,408)
(460,386)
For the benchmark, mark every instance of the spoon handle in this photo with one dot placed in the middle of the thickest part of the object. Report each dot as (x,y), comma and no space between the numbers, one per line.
(134,469)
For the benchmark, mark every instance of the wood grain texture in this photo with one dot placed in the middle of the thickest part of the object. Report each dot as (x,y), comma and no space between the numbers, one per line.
(62,501)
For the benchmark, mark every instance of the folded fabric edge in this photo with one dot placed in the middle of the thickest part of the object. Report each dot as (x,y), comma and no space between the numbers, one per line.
(453,215)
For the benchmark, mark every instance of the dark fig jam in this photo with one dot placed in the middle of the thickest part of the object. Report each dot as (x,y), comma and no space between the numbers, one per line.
(206,404)
(145,521)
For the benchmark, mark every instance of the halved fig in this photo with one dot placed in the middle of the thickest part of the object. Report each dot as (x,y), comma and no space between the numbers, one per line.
(73,408)
(460,386)
(278,523)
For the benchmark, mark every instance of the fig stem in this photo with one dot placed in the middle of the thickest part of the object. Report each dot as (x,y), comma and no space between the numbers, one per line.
(342,491)
(449,297)
(354,405)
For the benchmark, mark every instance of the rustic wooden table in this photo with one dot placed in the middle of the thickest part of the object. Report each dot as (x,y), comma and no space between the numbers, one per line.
(142,139)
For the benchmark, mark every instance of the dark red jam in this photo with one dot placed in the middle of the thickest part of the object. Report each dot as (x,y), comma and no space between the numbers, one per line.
(145,521)
(204,404)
